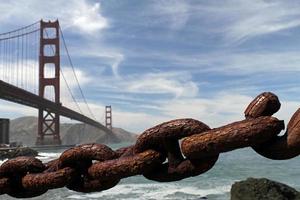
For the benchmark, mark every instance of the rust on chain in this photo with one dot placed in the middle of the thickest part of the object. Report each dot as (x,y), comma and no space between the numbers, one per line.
(240,134)
(92,185)
(265,104)
(286,146)
(80,158)
(21,165)
(175,129)
(48,180)
(125,151)
(15,169)
(96,167)
(185,169)
(86,152)
(125,166)
(52,165)
(164,138)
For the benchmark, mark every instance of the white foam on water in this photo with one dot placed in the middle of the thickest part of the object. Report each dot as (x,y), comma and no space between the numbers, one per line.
(153,191)
(76,196)
(46,156)
(2,161)
(43,156)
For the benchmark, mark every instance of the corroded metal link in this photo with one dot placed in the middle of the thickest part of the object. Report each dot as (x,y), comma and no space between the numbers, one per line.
(186,168)
(283,147)
(265,104)
(52,165)
(164,138)
(15,169)
(175,129)
(48,180)
(125,166)
(240,134)
(86,185)
(21,165)
(80,158)
(86,152)
(125,151)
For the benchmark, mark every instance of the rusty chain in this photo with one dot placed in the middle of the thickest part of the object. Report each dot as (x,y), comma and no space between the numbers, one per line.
(96,167)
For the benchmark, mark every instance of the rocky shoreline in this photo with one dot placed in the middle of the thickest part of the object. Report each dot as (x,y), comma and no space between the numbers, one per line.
(12,152)
(262,188)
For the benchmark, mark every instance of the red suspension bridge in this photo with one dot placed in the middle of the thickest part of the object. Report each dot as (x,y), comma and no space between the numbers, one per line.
(31,74)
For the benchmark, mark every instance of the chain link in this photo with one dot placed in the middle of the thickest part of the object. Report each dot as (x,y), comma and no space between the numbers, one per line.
(157,154)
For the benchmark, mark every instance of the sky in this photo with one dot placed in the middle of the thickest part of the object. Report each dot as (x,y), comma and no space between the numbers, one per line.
(157,60)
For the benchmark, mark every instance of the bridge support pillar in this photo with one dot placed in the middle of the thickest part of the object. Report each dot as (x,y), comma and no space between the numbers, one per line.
(108,117)
(48,121)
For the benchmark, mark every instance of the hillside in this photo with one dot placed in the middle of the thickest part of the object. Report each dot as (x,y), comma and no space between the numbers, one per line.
(24,129)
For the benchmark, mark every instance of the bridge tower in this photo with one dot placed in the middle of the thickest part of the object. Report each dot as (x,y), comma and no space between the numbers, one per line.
(108,117)
(48,121)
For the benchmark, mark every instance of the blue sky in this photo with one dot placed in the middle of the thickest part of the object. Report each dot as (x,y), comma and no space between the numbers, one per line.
(157,60)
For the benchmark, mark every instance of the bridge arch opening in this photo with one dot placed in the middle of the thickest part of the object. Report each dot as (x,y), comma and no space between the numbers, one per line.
(49,50)
(50,33)
(49,70)
(49,93)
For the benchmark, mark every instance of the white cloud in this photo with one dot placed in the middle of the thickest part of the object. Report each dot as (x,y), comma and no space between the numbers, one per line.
(116,60)
(235,63)
(79,15)
(88,18)
(113,57)
(215,111)
(239,20)
(174,83)
(172,13)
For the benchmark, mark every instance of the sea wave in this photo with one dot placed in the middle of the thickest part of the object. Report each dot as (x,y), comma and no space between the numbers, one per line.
(154,191)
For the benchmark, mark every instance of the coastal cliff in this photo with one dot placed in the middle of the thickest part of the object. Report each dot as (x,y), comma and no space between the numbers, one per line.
(24,130)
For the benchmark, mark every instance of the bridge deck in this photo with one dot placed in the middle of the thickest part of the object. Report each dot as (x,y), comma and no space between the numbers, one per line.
(20,96)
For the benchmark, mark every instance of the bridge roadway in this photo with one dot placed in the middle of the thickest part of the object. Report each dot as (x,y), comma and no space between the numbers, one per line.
(17,95)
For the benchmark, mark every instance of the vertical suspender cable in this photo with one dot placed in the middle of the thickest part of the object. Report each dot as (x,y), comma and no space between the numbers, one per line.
(8,59)
(12,47)
(1,63)
(5,58)
(18,48)
(22,57)
(26,62)
(36,67)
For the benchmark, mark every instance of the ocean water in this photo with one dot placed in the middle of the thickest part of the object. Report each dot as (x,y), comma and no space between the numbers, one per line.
(214,184)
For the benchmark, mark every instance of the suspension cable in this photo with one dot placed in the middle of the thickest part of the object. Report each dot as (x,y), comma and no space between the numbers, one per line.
(16,30)
(72,66)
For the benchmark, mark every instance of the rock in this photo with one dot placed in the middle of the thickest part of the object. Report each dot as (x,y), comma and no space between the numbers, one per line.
(257,189)
(15,152)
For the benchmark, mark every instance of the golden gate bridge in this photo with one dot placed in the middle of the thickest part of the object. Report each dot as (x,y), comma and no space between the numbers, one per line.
(31,72)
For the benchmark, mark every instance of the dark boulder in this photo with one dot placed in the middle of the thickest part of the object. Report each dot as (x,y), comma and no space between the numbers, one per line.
(257,189)
(15,152)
